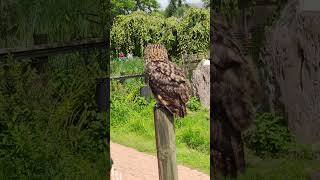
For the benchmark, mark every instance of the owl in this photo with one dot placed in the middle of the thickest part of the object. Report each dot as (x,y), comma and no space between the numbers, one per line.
(234,87)
(167,81)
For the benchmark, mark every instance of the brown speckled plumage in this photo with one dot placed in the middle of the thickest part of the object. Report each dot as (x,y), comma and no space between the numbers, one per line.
(234,87)
(167,81)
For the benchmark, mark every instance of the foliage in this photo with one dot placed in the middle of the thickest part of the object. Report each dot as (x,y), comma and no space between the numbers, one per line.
(278,169)
(226,8)
(194,104)
(127,6)
(51,128)
(206,3)
(132,32)
(61,20)
(181,11)
(49,124)
(194,31)
(187,34)
(173,7)
(231,8)
(127,67)
(194,131)
(270,136)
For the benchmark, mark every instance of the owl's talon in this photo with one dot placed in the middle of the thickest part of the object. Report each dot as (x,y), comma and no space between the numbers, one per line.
(159,105)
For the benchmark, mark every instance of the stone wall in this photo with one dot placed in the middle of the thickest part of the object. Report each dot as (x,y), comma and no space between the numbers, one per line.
(201,82)
(291,59)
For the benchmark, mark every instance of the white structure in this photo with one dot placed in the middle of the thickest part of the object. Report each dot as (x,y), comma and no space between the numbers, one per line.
(130,56)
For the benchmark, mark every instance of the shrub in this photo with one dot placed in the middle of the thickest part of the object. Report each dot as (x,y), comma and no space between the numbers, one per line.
(194,31)
(194,104)
(195,139)
(270,135)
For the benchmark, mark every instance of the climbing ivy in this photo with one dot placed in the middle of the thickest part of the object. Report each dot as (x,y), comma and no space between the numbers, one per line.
(134,31)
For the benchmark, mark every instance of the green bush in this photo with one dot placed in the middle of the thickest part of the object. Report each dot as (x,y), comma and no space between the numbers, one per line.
(134,31)
(195,139)
(270,136)
(132,66)
(194,31)
(194,104)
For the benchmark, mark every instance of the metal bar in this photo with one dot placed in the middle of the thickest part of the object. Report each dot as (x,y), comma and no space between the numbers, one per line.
(52,49)
(265,3)
(127,77)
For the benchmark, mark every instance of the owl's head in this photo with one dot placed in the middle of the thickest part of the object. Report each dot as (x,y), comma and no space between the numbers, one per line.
(155,52)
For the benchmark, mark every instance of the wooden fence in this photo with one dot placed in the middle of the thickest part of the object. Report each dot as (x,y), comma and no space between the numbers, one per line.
(53,49)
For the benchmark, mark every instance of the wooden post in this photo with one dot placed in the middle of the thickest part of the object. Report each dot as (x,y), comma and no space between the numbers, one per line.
(166,144)
(102,89)
(40,63)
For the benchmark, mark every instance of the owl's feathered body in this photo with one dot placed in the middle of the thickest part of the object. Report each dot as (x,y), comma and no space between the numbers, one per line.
(234,82)
(233,89)
(167,81)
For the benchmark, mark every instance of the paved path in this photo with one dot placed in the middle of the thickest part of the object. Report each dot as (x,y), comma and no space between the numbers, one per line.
(135,165)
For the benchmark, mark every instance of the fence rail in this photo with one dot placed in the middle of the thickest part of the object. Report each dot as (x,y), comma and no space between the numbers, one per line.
(126,77)
(122,78)
(52,49)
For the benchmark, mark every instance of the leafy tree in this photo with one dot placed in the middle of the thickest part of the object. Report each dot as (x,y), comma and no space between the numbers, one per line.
(122,6)
(206,3)
(128,6)
(173,7)
(61,20)
(227,8)
(147,5)
(181,10)
(194,31)
(230,8)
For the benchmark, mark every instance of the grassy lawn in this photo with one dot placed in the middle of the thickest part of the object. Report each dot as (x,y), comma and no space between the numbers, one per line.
(282,168)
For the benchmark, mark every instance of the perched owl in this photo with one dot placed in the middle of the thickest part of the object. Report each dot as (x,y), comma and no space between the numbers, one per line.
(167,81)
(234,87)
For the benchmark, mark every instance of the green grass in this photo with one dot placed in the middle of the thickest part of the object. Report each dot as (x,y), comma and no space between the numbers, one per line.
(282,168)
(131,66)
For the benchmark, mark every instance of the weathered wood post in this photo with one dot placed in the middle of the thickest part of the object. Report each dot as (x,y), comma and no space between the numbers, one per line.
(166,144)
(40,63)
